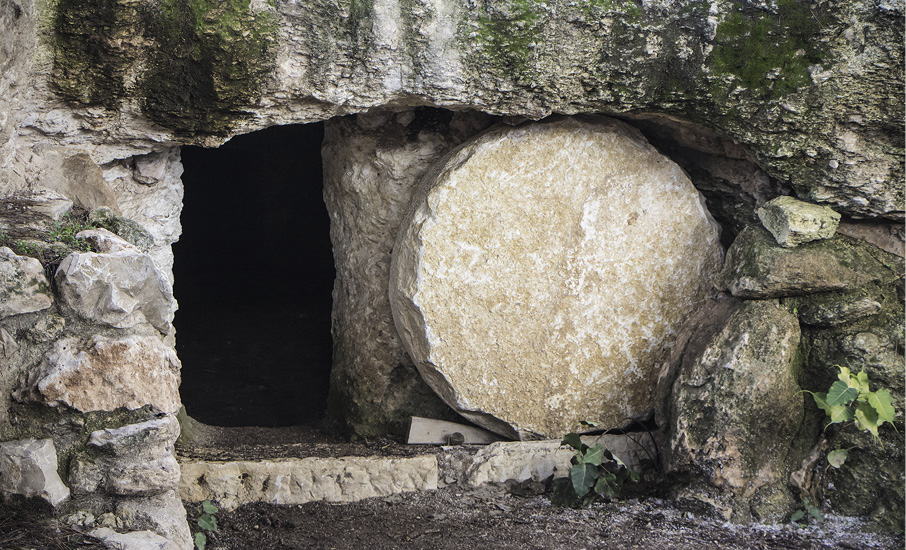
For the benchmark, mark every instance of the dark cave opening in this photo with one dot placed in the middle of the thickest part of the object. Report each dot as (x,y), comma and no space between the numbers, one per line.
(253,275)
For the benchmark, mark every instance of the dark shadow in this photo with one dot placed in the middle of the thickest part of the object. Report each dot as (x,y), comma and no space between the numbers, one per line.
(253,275)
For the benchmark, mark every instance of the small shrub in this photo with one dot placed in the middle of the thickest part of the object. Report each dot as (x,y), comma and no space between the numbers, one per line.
(594,473)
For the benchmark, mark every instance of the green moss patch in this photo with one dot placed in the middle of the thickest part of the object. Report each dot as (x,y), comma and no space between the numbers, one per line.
(211,61)
(769,52)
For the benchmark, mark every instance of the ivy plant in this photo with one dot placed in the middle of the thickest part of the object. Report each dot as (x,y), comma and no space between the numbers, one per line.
(850,399)
(206,522)
(594,472)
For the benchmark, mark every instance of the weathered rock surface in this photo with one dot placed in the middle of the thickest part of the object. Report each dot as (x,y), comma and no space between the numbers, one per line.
(163,514)
(23,286)
(134,540)
(837,308)
(731,405)
(818,108)
(297,481)
(127,229)
(28,467)
(135,460)
(541,271)
(758,267)
(793,222)
(120,289)
(539,460)
(372,164)
(103,374)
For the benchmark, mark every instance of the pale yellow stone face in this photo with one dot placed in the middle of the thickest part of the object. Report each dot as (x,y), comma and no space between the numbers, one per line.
(543,271)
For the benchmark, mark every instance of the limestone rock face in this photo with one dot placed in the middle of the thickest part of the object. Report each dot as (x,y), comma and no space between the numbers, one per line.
(541,271)
(120,289)
(372,164)
(103,374)
(757,267)
(733,408)
(793,222)
(163,514)
(134,540)
(23,286)
(28,467)
(137,459)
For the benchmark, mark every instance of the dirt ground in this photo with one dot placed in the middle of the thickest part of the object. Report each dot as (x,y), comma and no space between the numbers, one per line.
(495,518)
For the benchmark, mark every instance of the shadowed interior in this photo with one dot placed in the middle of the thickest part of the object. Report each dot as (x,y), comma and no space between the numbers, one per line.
(253,276)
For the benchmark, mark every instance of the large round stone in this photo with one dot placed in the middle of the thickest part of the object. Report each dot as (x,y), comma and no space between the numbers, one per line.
(542,271)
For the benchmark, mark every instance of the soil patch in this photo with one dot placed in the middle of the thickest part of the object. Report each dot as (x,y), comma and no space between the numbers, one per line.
(495,518)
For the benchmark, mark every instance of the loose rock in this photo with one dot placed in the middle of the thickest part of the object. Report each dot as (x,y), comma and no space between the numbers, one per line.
(793,222)
(23,286)
(28,467)
(733,407)
(135,540)
(120,289)
(541,272)
(757,267)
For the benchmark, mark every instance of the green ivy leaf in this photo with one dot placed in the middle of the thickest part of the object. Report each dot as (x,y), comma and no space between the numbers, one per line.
(837,458)
(797,515)
(845,375)
(583,477)
(573,440)
(862,381)
(207,522)
(208,508)
(606,486)
(593,456)
(200,540)
(882,402)
(840,413)
(841,393)
(820,400)
(867,418)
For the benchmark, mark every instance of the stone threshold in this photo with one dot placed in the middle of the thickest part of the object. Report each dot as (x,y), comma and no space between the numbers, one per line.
(221,476)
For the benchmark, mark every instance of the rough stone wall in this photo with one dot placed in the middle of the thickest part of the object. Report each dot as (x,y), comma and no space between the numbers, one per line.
(96,96)
(372,164)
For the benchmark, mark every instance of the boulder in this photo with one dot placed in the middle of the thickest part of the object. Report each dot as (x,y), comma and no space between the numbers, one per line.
(28,467)
(134,540)
(23,286)
(793,222)
(134,460)
(120,289)
(163,514)
(758,267)
(732,407)
(103,374)
(541,271)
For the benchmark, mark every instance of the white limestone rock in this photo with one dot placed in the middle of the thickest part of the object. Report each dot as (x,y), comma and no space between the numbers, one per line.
(103,374)
(134,540)
(542,270)
(301,480)
(23,286)
(105,241)
(28,467)
(793,222)
(134,460)
(121,289)
(163,514)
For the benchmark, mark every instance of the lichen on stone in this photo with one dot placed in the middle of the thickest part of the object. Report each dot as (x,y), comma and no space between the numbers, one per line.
(770,51)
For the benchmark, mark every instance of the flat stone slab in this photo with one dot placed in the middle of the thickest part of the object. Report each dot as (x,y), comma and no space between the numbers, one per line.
(542,270)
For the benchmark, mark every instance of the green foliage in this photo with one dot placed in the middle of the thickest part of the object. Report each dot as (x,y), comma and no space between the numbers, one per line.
(594,473)
(807,507)
(207,523)
(65,231)
(770,51)
(850,399)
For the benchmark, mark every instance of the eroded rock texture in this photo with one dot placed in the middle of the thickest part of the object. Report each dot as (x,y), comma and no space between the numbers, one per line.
(103,374)
(371,167)
(542,270)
